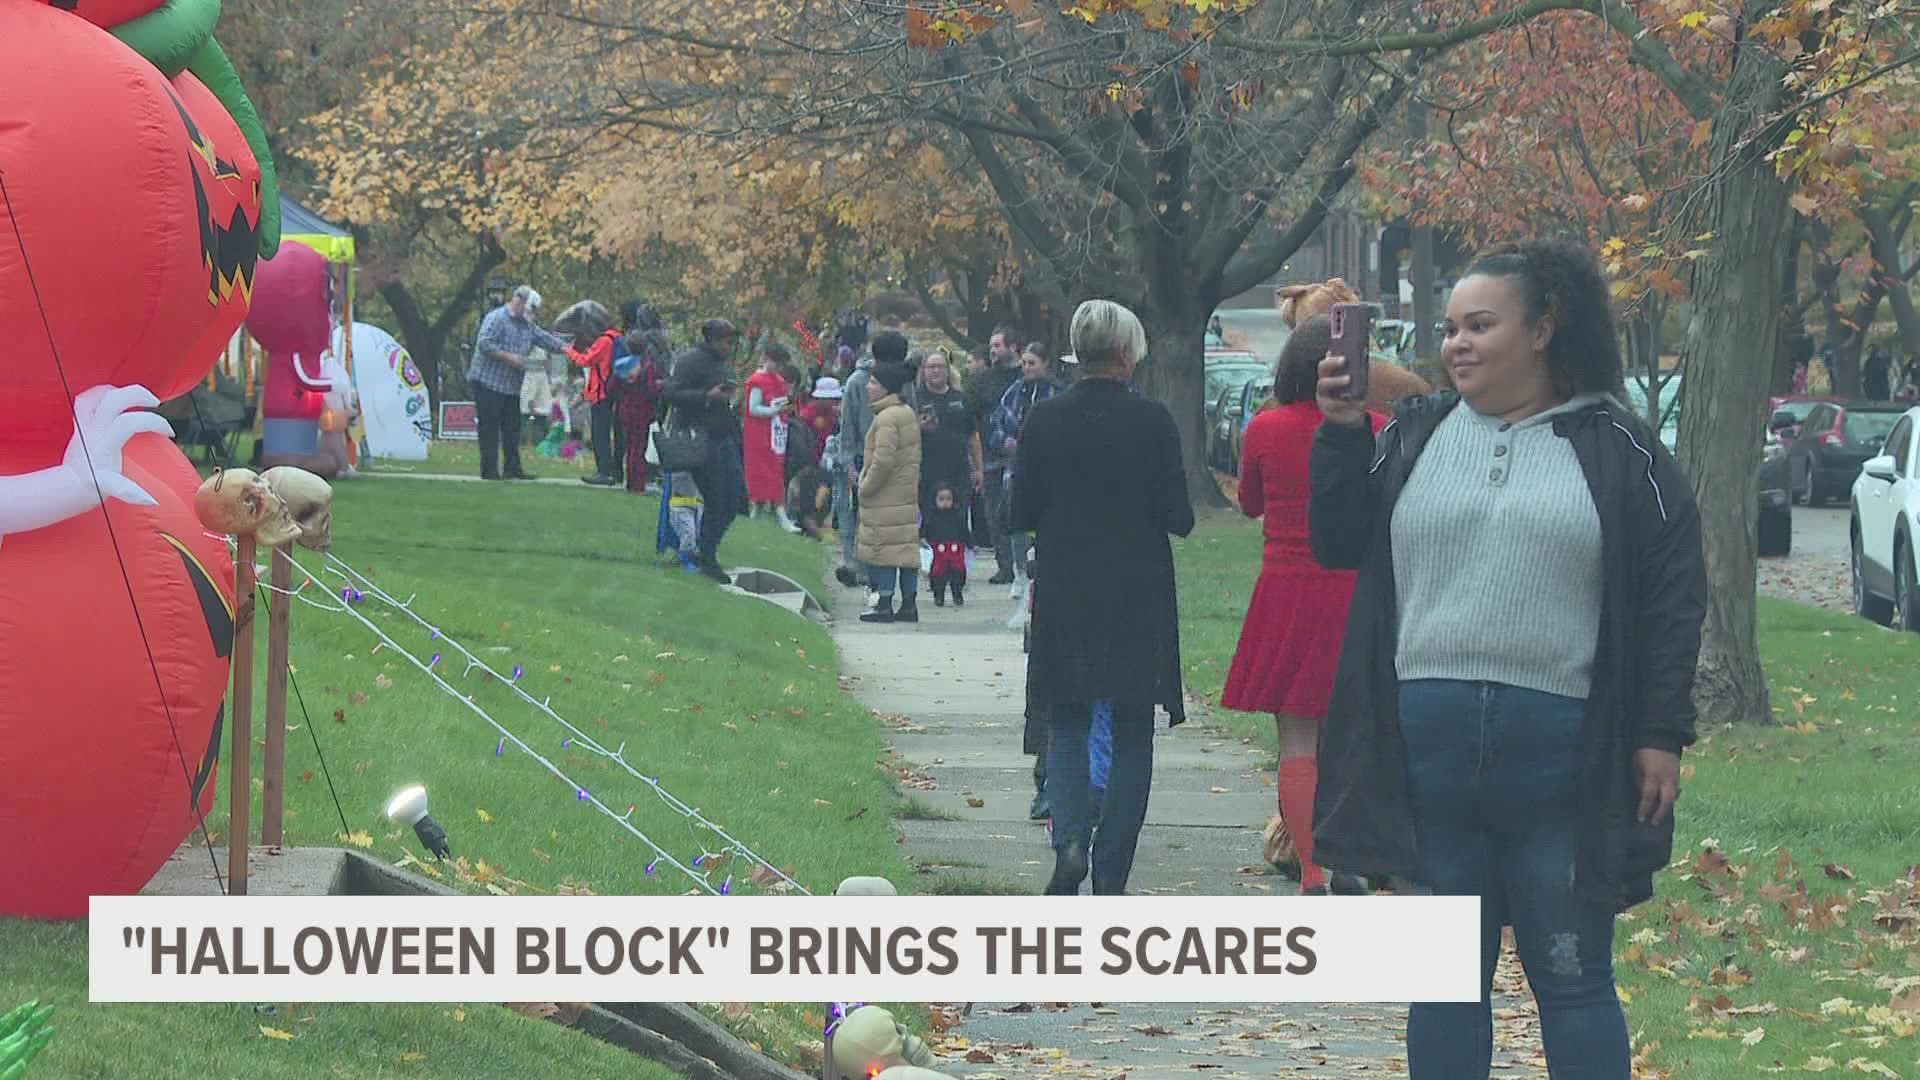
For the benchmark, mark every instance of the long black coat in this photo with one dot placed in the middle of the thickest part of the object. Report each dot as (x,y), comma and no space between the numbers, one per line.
(1098,479)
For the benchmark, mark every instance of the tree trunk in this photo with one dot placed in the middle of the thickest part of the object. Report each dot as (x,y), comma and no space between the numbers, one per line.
(1885,239)
(1732,338)
(1175,376)
(1793,325)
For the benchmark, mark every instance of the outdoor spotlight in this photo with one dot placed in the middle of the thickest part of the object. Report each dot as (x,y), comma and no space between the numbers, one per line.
(410,806)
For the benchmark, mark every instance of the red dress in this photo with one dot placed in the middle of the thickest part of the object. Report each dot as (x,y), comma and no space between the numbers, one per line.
(766,468)
(1291,639)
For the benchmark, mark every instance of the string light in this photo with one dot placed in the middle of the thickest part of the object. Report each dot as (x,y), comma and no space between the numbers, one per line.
(577,739)
(500,748)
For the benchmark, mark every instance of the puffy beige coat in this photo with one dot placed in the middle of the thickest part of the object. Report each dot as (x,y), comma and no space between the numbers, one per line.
(890,488)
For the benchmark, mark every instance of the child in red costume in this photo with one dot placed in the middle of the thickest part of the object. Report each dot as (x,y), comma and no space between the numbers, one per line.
(946,530)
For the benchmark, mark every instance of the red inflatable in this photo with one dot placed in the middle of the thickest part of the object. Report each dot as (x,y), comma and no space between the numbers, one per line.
(292,318)
(128,239)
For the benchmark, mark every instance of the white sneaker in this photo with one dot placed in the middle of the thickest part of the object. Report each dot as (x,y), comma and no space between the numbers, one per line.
(873,600)
(1018,619)
(1018,590)
(786,522)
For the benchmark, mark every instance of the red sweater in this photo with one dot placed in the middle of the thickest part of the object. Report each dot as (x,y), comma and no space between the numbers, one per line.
(1274,479)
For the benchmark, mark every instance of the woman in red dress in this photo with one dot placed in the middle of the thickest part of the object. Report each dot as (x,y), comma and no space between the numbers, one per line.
(768,407)
(1290,641)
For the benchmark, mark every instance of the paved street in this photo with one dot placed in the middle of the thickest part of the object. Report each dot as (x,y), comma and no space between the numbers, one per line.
(1816,572)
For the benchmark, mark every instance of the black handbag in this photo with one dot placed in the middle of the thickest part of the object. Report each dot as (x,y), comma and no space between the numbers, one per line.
(681,449)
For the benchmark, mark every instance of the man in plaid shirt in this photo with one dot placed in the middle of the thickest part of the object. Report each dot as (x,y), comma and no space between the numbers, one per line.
(498,368)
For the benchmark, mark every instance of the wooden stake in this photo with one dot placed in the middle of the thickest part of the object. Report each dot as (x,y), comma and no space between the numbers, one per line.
(273,797)
(240,768)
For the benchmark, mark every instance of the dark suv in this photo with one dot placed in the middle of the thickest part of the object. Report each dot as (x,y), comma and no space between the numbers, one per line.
(1834,441)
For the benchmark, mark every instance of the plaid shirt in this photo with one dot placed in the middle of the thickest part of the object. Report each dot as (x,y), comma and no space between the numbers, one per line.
(502,331)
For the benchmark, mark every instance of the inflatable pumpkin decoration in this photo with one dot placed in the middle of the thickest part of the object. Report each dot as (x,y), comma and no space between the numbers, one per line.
(133,210)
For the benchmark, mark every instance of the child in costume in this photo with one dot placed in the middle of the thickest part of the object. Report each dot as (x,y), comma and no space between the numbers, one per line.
(945,530)
(679,528)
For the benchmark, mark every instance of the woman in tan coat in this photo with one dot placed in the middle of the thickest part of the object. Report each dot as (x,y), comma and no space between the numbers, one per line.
(889,537)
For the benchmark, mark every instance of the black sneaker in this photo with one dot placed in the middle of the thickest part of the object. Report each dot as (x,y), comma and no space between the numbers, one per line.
(1003,577)
(939,600)
(713,570)
(1040,810)
(845,576)
(881,613)
(909,611)
(522,476)
(959,597)
(599,481)
(1348,885)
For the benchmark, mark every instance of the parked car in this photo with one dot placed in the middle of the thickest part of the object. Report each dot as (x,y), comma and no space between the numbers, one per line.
(1776,501)
(1228,369)
(1794,407)
(1834,441)
(1253,397)
(1885,520)
(1669,405)
(1223,411)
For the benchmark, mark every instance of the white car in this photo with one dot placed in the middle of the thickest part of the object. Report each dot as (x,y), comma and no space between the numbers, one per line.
(1886,519)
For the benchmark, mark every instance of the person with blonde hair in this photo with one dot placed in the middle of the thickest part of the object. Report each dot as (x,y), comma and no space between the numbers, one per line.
(1101,484)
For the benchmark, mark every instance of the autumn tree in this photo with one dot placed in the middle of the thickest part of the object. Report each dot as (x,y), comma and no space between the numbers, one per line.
(1561,135)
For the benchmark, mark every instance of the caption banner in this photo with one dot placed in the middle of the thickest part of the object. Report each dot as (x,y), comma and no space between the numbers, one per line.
(767,949)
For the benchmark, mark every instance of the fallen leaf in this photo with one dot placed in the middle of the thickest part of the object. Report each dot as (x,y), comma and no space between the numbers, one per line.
(360,838)
(383,682)
(485,818)
(976,803)
(276,1034)
(1151,1029)
(1220,791)
(356,698)
(307,777)
(339,716)
(979,1057)
(1838,871)
(412,1056)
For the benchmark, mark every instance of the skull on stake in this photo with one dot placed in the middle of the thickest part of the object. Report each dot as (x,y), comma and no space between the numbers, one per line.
(240,502)
(309,500)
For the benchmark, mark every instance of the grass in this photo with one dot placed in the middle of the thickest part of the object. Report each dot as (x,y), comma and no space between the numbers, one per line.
(919,810)
(732,703)
(1787,936)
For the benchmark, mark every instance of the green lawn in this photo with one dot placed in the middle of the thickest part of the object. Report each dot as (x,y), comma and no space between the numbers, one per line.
(732,703)
(1787,938)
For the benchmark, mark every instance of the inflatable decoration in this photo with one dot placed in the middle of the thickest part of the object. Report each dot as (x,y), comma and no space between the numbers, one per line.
(292,319)
(131,220)
(392,396)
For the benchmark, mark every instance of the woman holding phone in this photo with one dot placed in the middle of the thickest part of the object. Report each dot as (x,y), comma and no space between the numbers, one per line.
(1515,686)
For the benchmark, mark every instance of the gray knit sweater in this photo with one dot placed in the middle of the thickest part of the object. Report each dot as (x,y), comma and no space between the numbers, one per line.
(1497,557)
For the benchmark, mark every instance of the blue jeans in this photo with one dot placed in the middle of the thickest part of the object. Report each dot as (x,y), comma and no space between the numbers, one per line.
(1129,778)
(1493,774)
(884,578)
(847,521)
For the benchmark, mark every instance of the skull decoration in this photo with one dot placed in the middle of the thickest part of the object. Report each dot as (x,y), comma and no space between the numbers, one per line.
(240,502)
(309,499)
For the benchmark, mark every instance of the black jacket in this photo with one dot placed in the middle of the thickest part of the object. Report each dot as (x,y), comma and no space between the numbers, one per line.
(1653,605)
(696,370)
(986,398)
(1101,484)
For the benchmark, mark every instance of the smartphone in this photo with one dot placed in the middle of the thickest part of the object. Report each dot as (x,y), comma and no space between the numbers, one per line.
(1352,326)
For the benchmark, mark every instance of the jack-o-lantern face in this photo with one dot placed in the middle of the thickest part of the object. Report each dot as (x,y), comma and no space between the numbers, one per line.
(122,197)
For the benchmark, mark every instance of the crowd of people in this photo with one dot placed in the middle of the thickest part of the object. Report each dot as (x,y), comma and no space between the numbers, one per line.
(908,460)
(1476,620)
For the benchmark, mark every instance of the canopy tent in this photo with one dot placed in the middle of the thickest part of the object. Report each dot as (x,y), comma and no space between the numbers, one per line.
(303,226)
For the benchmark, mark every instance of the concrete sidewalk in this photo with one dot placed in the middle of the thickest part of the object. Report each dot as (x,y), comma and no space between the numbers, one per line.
(951,690)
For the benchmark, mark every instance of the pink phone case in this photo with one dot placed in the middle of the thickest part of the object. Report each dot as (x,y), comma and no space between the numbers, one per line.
(1352,326)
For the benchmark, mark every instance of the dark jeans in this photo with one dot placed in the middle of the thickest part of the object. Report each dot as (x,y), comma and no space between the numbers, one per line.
(723,492)
(1494,774)
(1124,809)
(884,578)
(609,441)
(499,418)
(997,509)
